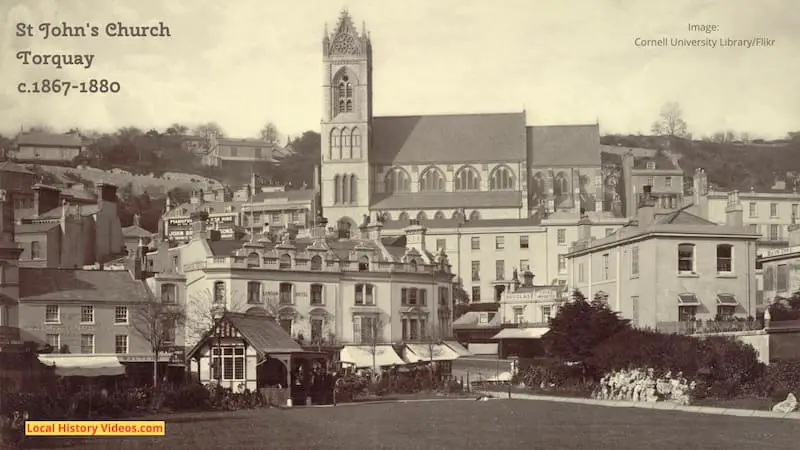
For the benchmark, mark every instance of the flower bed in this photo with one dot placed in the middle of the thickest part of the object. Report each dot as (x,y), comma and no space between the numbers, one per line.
(640,385)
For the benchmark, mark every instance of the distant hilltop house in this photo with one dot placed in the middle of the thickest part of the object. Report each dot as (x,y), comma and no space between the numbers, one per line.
(217,152)
(47,147)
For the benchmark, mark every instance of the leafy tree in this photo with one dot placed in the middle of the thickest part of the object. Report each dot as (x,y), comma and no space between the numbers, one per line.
(269,134)
(176,129)
(580,326)
(297,169)
(209,132)
(670,121)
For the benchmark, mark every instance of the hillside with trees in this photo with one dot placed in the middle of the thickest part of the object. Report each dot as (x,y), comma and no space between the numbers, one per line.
(732,160)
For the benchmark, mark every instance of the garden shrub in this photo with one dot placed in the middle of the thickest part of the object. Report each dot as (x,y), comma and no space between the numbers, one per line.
(192,396)
(778,380)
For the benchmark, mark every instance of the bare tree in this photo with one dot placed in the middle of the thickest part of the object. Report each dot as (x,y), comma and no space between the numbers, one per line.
(209,132)
(327,337)
(269,134)
(433,335)
(670,121)
(372,335)
(202,312)
(156,323)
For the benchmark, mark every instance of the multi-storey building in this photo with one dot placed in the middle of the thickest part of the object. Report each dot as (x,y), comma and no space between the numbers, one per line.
(67,232)
(669,267)
(47,147)
(660,173)
(781,268)
(274,209)
(486,252)
(354,291)
(20,183)
(226,151)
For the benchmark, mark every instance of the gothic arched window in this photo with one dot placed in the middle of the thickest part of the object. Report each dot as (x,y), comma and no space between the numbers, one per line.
(397,180)
(353,189)
(337,192)
(347,150)
(439,215)
(502,178)
(356,143)
(467,179)
(335,150)
(345,94)
(431,180)
(422,216)
(561,185)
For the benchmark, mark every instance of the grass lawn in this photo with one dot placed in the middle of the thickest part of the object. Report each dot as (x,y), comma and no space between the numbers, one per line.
(463,424)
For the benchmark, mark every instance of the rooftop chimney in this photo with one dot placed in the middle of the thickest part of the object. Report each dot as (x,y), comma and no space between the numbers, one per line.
(584,228)
(136,219)
(320,231)
(415,236)
(371,228)
(647,208)
(734,213)
(527,278)
(627,183)
(199,225)
(45,198)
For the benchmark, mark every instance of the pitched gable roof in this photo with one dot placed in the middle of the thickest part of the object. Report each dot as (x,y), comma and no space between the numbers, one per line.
(136,231)
(261,331)
(97,286)
(450,138)
(447,200)
(564,145)
(49,140)
(10,166)
(682,217)
(661,161)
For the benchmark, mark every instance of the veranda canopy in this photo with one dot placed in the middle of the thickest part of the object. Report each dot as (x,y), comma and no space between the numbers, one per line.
(521,333)
(84,365)
(458,348)
(428,352)
(361,356)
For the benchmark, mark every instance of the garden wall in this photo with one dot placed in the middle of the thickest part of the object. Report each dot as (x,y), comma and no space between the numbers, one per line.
(770,345)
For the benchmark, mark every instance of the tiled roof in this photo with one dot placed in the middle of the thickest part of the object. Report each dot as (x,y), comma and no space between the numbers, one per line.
(24,213)
(256,143)
(453,223)
(564,145)
(106,286)
(10,166)
(262,332)
(341,248)
(49,140)
(662,162)
(135,231)
(452,138)
(34,227)
(444,200)
(682,217)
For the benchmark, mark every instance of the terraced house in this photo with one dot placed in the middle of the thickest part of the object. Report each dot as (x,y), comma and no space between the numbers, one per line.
(365,289)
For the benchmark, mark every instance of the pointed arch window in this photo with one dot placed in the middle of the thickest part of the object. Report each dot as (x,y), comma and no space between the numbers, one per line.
(502,178)
(335,150)
(356,143)
(403,216)
(345,94)
(475,215)
(561,185)
(347,150)
(439,215)
(431,179)
(422,216)
(353,194)
(397,180)
(467,179)
(337,189)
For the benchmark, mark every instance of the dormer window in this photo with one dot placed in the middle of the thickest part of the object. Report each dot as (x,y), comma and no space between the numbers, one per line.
(363,264)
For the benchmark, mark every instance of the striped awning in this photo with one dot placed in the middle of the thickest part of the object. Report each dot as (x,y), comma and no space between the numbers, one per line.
(688,299)
(726,300)
(84,365)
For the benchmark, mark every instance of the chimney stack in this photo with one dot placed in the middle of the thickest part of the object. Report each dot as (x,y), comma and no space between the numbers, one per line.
(45,198)
(199,225)
(415,236)
(647,209)
(527,278)
(734,212)
(627,183)
(584,228)
(136,220)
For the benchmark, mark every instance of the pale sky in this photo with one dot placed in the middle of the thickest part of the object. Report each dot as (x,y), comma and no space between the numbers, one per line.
(243,63)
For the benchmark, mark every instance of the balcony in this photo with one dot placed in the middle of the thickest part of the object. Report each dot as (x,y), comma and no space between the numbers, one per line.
(240,262)
(709,326)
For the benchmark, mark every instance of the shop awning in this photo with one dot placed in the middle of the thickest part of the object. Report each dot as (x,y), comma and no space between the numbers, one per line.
(688,299)
(726,300)
(429,352)
(362,356)
(458,348)
(521,333)
(84,365)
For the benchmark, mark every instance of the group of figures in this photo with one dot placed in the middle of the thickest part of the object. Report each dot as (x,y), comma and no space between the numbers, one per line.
(638,385)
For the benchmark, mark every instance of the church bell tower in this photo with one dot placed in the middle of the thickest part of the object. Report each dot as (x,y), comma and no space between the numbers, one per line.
(345,175)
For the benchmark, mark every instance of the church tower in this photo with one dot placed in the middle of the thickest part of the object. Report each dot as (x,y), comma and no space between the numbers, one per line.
(345,175)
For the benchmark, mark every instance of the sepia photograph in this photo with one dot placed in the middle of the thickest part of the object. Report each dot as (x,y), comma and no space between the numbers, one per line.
(418,224)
